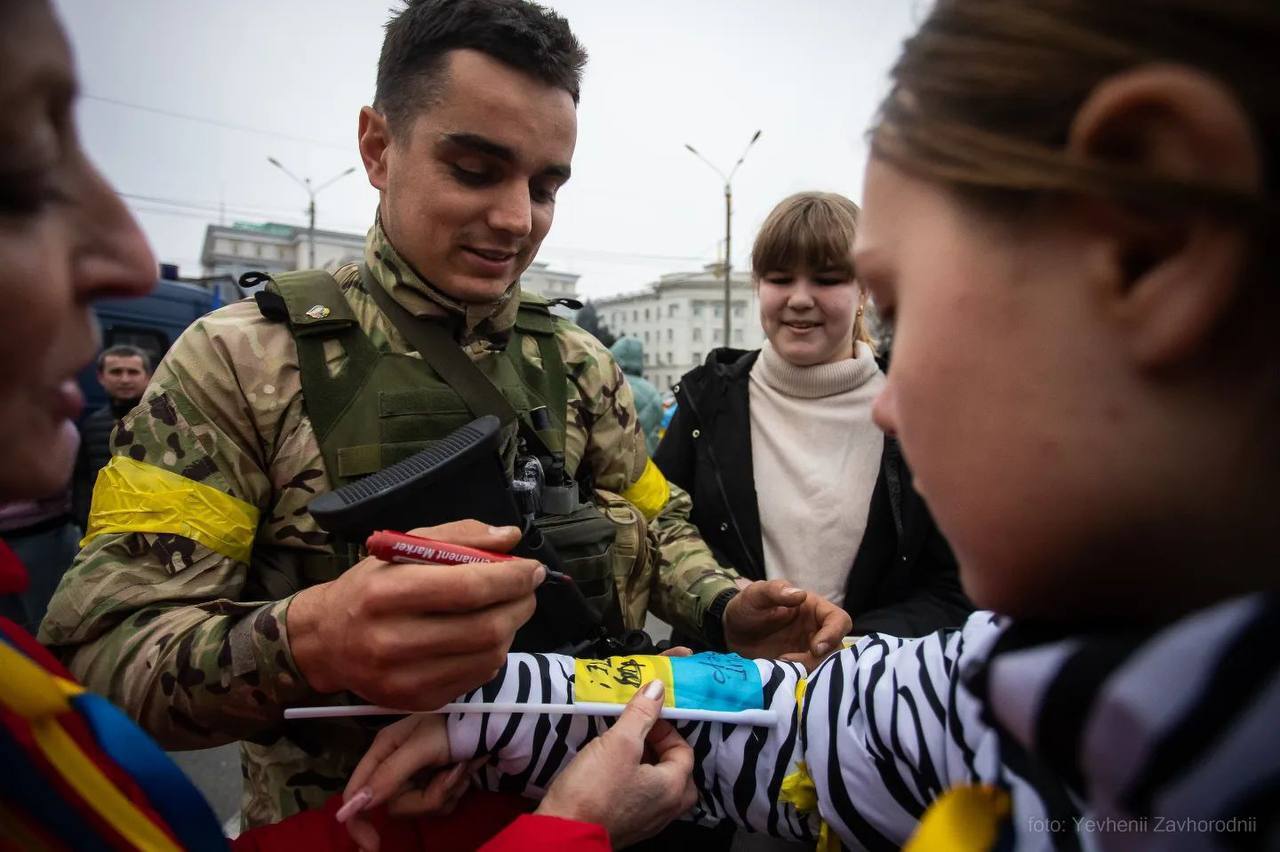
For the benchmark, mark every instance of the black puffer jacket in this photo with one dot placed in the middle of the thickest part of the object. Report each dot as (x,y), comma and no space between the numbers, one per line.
(902,581)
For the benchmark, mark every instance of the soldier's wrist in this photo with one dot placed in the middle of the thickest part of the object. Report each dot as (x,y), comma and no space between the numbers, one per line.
(713,620)
(307,643)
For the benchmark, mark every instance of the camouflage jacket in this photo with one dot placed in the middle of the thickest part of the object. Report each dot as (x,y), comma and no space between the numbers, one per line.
(161,623)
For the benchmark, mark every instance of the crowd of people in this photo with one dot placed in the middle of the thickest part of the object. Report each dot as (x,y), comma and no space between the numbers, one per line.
(1067,216)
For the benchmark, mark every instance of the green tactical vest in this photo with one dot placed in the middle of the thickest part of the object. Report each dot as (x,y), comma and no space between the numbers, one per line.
(383,407)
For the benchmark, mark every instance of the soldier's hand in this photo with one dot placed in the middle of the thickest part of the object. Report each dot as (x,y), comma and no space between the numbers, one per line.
(774,620)
(414,636)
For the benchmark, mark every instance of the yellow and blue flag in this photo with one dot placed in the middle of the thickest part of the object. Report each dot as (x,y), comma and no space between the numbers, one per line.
(721,682)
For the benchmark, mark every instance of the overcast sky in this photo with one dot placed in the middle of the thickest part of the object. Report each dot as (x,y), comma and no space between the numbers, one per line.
(185,100)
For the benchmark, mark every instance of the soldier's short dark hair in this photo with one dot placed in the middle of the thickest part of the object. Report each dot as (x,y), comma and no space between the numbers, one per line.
(124,350)
(518,33)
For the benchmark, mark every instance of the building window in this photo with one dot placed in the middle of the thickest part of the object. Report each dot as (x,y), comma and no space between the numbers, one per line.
(646,340)
(646,359)
(717,336)
(697,309)
(614,320)
(697,358)
(716,311)
(671,309)
(737,335)
(739,308)
(646,314)
(635,315)
(671,334)
(697,333)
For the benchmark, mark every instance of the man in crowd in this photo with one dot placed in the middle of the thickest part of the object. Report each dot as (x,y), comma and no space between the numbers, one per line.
(207,599)
(123,372)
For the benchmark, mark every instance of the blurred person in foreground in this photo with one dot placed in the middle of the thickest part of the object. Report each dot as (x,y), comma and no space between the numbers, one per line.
(1070,213)
(77,773)
(123,372)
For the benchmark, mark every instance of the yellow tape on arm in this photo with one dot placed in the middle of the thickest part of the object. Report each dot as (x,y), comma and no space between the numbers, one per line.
(650,492)
(616,679)
(133,497)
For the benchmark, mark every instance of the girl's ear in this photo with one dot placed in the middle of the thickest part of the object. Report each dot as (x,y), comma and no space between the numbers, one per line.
(1172,277)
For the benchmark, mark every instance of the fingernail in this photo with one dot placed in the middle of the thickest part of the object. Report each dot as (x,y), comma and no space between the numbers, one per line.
(539,574)
(792,591)
(653,690)
(819,649)
(354,805)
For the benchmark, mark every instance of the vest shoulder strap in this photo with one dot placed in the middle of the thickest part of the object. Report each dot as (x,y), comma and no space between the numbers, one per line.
(534,318)
(316,310)
(534,315)
(313,301)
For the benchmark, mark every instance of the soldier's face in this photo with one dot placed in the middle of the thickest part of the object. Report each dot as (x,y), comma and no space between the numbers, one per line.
(65,239)
(468,189)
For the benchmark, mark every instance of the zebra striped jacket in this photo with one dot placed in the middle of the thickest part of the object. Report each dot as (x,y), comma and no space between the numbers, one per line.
(1166,739)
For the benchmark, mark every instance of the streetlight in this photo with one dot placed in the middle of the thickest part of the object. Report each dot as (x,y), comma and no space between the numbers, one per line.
(305,183)
(728,218)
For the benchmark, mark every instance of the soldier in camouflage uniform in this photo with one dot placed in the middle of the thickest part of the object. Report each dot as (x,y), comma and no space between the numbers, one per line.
(190,605)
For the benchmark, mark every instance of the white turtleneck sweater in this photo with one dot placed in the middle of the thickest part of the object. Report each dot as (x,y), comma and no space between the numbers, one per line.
(816,457)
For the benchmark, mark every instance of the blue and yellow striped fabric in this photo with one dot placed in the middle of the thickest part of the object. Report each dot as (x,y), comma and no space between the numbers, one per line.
(61,790)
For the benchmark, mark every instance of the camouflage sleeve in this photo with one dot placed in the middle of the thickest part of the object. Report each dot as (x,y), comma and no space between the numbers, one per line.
(688,578)
(158,620)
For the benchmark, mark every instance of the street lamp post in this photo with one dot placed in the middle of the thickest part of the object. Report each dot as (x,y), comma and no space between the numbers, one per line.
(305,183)
(728,221)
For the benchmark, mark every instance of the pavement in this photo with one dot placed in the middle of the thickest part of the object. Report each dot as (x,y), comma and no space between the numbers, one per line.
(216,771)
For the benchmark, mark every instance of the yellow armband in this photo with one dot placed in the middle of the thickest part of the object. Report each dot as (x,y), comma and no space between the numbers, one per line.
(650,492)
(134,497)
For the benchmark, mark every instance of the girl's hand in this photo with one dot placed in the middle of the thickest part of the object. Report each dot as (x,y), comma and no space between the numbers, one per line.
(633,779)
(388,771)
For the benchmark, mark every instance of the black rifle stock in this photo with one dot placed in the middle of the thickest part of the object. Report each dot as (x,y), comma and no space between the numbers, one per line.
(462,476)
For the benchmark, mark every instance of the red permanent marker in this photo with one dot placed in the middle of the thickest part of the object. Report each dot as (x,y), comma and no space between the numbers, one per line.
(401,547)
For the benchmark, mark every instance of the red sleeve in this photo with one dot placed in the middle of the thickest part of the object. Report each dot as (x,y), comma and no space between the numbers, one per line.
(533,831)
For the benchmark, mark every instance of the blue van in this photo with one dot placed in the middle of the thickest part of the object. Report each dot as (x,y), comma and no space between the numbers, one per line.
(151,323)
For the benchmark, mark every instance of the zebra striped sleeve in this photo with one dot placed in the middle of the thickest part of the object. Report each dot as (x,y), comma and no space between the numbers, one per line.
(739,770)
(887,728)
(883,729)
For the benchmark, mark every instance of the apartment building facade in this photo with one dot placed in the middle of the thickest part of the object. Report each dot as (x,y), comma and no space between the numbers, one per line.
(680,318)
